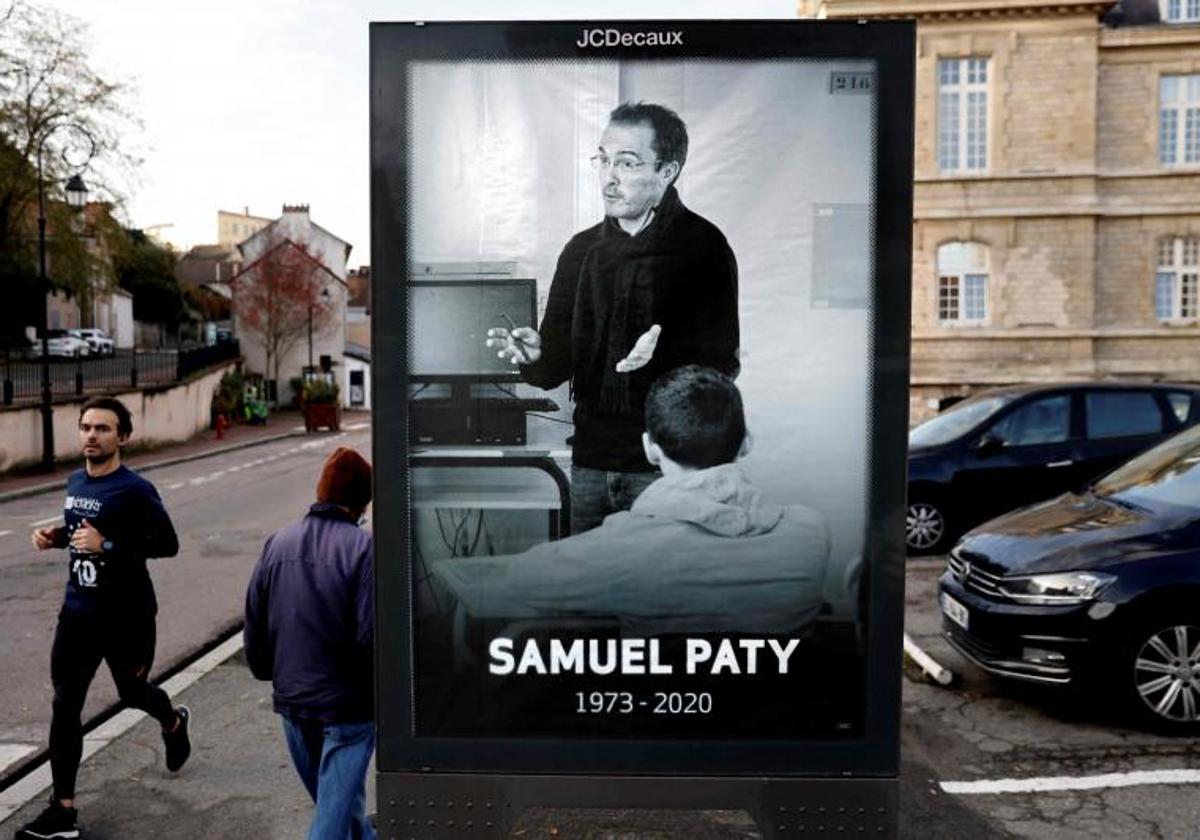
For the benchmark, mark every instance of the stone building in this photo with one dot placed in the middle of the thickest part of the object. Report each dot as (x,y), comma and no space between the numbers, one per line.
(1056,230)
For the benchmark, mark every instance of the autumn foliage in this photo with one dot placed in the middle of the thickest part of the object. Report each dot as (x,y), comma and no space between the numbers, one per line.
(276,295)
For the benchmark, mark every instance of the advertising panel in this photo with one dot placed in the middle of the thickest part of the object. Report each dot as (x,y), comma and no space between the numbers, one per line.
(640,328)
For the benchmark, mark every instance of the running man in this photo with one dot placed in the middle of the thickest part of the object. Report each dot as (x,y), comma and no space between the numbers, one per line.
(114,521)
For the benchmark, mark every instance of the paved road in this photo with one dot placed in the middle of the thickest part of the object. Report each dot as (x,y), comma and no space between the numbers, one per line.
(985,729)
(223,508)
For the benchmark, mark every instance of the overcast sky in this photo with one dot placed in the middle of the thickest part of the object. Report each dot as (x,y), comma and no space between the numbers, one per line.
(258,103)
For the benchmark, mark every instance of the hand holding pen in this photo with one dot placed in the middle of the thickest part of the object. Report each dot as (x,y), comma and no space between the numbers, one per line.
(520,345)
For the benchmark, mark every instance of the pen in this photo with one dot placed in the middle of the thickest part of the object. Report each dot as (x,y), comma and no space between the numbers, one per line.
(512,325)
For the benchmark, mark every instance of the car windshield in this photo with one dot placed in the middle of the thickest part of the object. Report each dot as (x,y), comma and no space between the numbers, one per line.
(956,420)
(1166,474)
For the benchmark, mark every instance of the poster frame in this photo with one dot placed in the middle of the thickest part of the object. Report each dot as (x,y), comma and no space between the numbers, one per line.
(874,755)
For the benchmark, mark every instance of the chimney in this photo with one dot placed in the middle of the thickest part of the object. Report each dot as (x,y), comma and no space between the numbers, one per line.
(295,208)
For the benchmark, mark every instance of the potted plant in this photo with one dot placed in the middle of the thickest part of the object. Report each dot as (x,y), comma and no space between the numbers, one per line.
(319,398)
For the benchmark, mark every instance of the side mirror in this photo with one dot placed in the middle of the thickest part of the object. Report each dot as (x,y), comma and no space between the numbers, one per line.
(989,445)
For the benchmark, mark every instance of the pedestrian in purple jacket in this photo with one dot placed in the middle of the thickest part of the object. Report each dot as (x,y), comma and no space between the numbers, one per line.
(310,631)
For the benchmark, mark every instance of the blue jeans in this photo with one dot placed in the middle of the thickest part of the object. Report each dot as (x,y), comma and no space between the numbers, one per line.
(597,493)
(332,760)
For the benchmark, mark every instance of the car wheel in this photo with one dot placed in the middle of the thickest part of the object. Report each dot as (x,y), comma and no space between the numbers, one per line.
(1161,673)
(926,530)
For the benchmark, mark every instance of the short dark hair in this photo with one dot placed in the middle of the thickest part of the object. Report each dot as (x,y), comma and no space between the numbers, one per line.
(670,133)
(695,415)
(124,418)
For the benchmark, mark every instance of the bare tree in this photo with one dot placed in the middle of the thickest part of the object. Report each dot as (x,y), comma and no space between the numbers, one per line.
(278,297)
(47,82)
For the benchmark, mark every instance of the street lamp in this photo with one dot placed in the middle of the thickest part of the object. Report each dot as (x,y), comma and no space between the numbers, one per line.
(76,191)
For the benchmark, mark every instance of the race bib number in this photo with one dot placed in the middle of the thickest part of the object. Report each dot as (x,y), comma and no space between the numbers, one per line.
(86,572)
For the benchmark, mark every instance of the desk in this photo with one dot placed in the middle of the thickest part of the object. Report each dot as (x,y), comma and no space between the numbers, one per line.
(488,477)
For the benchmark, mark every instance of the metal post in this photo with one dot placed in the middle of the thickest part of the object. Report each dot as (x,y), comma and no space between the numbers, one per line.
(75,189)
(8,383)
(310,316)
(44,284)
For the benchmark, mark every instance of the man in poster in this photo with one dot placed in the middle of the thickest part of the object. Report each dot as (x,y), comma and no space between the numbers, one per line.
(650,288)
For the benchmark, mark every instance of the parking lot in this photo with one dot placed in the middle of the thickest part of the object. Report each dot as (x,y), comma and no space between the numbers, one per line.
(1016,760)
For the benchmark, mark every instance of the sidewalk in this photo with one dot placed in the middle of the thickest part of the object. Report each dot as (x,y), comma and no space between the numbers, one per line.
(239,781)
(280,424)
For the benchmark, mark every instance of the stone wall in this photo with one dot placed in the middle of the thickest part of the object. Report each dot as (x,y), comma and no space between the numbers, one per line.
(160,415)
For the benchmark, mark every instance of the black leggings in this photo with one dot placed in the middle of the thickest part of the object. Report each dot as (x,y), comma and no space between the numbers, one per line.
(126,643)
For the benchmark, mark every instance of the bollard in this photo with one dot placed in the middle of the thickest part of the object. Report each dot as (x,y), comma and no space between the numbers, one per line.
(8,392)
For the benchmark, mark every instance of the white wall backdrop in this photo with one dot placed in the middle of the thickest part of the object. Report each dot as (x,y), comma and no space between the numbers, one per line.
(500,172)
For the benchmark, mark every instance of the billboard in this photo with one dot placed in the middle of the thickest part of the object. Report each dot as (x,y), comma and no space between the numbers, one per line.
(641,314)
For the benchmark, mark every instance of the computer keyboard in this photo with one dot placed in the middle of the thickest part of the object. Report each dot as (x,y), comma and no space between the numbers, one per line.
(542,405)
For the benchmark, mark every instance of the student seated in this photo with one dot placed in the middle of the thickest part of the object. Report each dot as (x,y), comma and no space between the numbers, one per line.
(701,551)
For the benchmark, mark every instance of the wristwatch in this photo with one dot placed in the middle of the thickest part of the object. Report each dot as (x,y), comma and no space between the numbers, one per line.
(106,545)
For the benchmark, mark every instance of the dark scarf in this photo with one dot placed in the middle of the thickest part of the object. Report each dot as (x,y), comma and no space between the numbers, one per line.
(614,305)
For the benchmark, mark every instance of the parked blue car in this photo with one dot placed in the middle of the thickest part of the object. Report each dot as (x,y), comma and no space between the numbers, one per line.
(1010,447)
(1098,586)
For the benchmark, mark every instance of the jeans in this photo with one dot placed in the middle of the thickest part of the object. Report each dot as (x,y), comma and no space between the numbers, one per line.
(597,493)
(332,760)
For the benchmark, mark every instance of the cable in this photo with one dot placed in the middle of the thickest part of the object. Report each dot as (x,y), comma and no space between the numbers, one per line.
(548,417)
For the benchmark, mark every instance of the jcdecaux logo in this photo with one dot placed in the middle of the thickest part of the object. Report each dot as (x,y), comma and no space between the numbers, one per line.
(617,38)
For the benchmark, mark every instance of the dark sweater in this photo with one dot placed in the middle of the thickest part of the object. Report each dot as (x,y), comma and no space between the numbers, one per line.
(608,289)
(128,512)
(310,624)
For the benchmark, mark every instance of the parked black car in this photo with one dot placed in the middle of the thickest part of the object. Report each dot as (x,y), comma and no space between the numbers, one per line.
(1098,587)
(1006,448)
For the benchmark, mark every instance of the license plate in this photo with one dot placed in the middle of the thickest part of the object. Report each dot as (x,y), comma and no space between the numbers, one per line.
(955,611)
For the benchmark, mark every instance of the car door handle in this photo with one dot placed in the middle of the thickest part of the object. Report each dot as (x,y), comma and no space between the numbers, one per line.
(1054,464)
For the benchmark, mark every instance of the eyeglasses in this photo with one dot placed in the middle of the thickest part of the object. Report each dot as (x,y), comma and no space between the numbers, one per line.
(624,165)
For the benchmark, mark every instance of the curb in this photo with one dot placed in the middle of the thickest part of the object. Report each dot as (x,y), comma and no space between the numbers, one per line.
(60,484)
(32,775)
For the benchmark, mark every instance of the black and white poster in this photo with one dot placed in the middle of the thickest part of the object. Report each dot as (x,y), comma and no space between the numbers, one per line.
(640,388)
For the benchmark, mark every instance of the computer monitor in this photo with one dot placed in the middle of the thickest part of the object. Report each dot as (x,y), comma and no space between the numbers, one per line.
(448,324)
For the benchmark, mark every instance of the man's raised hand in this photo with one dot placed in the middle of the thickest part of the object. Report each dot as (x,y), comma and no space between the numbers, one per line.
(643,350)
(521,346)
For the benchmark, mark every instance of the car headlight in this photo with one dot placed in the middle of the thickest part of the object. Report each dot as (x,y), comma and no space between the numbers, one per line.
(1063,588)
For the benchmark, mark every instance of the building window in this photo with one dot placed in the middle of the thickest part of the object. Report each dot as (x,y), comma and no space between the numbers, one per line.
(1183,11)
(962,124)
(1177,278)
(962,269)
(1179,119)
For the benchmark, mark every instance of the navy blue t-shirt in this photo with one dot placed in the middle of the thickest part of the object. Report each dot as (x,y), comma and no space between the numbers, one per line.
(129,514)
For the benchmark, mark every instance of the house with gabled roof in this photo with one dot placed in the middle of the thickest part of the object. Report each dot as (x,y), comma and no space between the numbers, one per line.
(295,240)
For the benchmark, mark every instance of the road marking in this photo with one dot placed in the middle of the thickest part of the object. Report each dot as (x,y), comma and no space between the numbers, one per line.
(46,521)
(175,486)
(4,534)
(10,754)
(1043,784)
(354,427)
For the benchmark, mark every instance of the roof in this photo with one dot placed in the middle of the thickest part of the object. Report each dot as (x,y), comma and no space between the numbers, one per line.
(275,248)
(357,351)
(209,252)
(263,230)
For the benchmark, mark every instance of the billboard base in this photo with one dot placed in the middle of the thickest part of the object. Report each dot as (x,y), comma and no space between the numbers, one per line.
(431,806)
